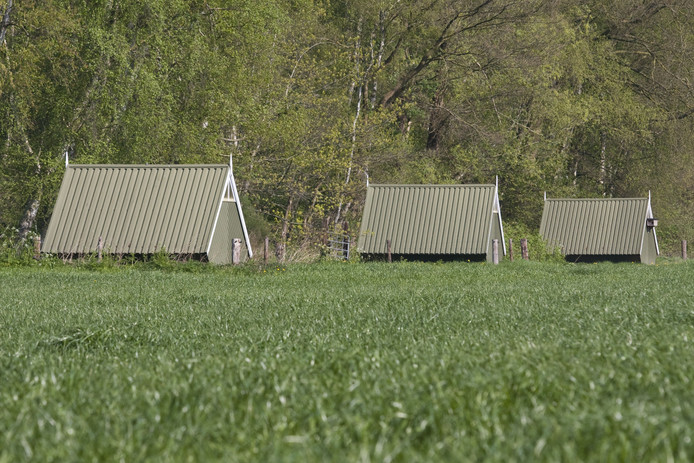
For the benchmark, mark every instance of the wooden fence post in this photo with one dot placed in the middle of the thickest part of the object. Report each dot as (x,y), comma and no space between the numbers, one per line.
(684,249)
(100,248)
(266,250)
(326,231)
(346,240)
(495,252)
(37,247)
(280,251)
(524,249)
(510,249)
(390,258)
(236,251)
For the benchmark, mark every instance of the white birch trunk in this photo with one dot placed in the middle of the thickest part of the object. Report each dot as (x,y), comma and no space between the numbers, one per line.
(352,149)
(602,175)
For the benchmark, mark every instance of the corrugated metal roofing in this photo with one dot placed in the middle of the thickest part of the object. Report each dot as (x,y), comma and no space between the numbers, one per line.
(136,208)
(427,219)
(595,226)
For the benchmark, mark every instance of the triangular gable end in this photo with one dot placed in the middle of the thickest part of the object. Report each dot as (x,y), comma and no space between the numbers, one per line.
(229,192)
(649,215)
(497,209)
(238,204)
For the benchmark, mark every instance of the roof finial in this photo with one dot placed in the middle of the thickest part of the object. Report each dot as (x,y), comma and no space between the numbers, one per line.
(67,153)
(545,195)
(231,162)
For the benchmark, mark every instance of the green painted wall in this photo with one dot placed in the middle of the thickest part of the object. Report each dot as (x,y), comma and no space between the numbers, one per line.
(495,235)
(649,251)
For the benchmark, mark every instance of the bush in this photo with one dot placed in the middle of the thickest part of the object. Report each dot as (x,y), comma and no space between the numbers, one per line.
(538,249)
(14,251)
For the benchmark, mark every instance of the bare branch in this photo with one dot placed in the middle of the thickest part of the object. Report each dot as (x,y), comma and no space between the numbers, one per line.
(5,24)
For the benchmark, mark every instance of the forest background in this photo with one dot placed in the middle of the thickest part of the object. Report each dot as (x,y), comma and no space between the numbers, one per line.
(312,97)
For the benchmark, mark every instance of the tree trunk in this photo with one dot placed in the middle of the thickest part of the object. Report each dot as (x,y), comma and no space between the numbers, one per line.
(379,58)
(282,245)
(30,210)
(5,21)
(247,181)
(438,115)
(603,169)
(348,176)
(402,84)
(308,219)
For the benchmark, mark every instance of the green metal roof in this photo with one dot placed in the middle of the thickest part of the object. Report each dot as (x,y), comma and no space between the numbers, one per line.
(137,208)
(428,219)
(596,226)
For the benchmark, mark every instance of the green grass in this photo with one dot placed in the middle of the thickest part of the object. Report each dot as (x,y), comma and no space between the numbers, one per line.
(348,362)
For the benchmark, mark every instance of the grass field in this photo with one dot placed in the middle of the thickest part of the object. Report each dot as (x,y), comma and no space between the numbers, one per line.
(348,362)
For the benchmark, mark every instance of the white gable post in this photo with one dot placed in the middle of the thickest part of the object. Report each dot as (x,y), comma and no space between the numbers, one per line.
(649,215)
(497,205)
(238,205)
(230,185)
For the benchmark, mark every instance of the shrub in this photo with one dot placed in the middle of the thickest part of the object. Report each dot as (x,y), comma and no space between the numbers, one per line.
(14,251)
(538,248)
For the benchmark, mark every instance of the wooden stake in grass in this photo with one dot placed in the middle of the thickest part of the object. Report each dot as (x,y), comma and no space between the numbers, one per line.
(495,252)
(326,232)
(37,248)
(236,251)
(524,248)
(266,250)
(390,258)
(510,249)
(100,248)
(684,249)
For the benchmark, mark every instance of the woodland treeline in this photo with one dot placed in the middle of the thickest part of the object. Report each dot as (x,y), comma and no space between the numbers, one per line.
(576,98)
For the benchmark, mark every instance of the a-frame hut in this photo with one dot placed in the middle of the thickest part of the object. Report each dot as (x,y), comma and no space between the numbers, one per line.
(186,210)
(432,222)
(596,229)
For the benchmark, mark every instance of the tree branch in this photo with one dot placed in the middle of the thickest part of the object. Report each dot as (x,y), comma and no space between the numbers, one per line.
(5,21)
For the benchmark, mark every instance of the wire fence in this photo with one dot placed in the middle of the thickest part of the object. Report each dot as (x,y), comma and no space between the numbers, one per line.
(339,245)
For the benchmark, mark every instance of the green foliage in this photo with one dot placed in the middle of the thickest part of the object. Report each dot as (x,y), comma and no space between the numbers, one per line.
(574,98)
(13,251)
(406,361)
(256,223)
(161,260)
(538,249)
